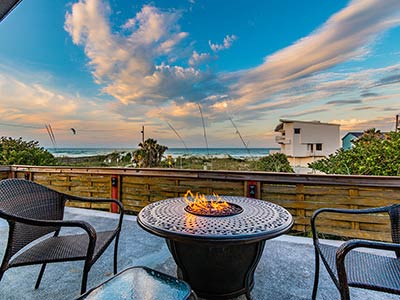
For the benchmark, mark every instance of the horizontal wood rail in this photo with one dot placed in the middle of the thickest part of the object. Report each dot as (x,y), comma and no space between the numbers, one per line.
(301,194)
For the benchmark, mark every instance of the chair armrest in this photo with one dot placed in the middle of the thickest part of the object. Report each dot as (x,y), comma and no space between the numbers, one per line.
(52,223)
(86,199)
(343,211)
(346,248)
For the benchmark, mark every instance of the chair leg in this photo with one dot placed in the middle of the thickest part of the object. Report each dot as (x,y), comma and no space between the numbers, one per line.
(86,270)
(343,288)
(193,295)
(116,255)
(316,276)
(3,269)
(39,279)
(344,294)
(248,296)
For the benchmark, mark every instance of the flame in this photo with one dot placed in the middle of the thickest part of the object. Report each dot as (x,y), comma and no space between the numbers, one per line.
(199,202)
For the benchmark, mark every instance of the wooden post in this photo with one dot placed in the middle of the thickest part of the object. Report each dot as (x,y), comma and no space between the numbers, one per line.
(114,192)
(252,189)
(301,212)
(355,225)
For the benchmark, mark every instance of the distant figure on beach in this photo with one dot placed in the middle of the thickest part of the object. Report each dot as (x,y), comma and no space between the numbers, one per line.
(170,161)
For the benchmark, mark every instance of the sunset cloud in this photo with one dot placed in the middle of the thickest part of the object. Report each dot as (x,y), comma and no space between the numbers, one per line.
(29,106)
(345,36)
(381,123)
(134,67)
(150,65)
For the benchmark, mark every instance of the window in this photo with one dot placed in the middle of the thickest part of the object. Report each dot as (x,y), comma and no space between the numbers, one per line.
(318,147)
(310,147)
(297,131)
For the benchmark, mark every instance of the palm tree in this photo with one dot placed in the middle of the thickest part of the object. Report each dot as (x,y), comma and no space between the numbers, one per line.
(150,154)
(370,135)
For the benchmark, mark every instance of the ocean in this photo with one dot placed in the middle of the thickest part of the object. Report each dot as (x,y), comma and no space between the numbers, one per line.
(174,152)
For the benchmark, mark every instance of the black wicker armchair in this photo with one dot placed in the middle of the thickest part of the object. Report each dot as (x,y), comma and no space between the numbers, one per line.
(349,268)
(33,211)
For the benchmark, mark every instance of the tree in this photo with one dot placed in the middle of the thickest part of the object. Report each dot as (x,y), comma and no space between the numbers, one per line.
(20,152)
(150,154)
(276,162)
(374,153)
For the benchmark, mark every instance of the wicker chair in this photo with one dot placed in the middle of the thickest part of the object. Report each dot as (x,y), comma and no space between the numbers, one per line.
(349,268)
(33,211)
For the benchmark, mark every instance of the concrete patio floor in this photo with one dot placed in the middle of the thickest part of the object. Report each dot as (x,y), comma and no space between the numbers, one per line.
(286,269)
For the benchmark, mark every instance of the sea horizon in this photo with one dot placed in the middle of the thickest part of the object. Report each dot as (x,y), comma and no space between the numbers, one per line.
(174,152)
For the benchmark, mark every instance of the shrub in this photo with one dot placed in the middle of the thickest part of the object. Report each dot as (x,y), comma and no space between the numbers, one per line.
(374,153)
(276,162)
(20,152)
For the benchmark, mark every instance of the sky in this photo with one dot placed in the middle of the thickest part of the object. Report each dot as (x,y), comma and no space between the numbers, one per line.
(108,67)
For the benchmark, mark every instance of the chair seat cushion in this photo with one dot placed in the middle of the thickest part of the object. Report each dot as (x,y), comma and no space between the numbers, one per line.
(365,270)
(139,283)
(62,248)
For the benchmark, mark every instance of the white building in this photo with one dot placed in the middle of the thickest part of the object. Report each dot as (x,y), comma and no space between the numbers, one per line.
(304,142)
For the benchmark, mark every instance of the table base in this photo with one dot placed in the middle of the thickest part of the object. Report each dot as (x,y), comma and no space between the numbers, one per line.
(217,270)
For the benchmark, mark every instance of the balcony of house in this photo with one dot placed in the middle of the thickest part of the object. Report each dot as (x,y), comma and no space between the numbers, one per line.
(281,139)
(286,267)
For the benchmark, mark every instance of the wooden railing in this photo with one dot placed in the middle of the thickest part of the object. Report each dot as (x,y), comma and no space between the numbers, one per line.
(5,172)
(300,194)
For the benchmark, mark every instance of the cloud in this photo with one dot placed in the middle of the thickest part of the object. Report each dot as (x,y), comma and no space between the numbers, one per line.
(345,36)
(199,58)
(151,67)
(365,108)
(344,102)
(227,43)
(26,106)
(392,79)
(305,112)
(134,65)
(369,94)
(382,123)
(397,109)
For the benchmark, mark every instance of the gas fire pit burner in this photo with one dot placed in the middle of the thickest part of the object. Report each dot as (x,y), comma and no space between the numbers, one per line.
(209,211)
(216,255)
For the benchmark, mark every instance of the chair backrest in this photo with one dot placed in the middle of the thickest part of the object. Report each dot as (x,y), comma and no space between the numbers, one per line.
(394,213)
(23,198)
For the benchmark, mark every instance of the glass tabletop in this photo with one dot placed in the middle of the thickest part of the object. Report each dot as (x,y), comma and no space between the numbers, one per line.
(139,283)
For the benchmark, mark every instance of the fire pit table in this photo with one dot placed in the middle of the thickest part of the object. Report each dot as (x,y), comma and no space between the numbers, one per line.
(216,255)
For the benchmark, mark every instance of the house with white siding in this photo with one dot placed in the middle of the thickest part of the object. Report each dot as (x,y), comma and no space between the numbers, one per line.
(306,141)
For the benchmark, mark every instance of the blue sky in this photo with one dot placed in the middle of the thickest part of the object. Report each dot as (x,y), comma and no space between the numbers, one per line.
(107,67)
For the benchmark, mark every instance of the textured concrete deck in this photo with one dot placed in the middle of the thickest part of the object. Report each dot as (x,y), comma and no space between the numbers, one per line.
(286,269)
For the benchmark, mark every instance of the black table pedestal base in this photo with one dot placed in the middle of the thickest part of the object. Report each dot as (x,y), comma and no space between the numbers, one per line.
(216,270)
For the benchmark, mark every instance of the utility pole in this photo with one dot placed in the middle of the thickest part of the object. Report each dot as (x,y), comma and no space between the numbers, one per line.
(397,123)
(142,132)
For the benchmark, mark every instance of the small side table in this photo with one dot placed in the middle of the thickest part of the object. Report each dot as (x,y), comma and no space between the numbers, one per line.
(140,283)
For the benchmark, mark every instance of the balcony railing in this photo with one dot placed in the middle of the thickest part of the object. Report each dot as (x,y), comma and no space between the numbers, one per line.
(301,194)
(281,139)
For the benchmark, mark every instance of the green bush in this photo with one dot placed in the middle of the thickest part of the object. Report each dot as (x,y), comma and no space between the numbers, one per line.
(150,154)
(20,152)
(276,162)
(374,153)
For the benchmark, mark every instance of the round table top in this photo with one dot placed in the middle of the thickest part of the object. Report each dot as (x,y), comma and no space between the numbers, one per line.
(259,220)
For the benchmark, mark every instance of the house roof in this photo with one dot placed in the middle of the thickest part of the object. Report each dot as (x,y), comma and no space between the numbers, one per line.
(280,126)
(354,133)
(6,6)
